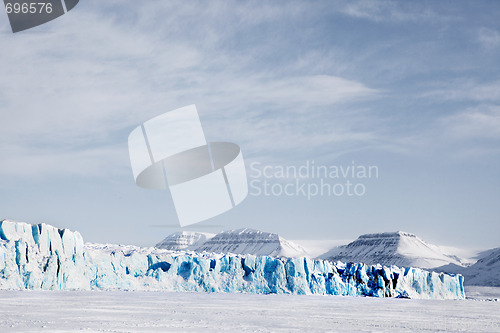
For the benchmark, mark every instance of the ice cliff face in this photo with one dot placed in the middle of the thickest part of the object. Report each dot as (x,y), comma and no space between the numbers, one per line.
(40,257)
(44,257)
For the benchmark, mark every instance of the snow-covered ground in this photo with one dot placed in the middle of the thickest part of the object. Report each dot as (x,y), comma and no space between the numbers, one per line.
(120,311)
(483,293)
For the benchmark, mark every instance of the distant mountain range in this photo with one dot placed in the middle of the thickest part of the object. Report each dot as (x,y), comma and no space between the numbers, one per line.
(241,241)
(485,272)
(389,248)
(392,248)
(406,249)
(184,241)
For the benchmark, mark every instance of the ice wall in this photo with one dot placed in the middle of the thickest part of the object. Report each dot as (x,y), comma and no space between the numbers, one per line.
(40,257)
(44,257)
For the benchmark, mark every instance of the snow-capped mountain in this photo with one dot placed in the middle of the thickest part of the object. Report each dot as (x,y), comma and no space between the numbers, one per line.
(184,240)
(251,241)
(485,272)
(392,248)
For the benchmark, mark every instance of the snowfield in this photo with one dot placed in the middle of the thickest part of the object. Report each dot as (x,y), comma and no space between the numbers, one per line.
(140,311)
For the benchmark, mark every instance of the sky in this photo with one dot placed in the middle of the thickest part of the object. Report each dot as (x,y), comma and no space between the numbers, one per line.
(410,88)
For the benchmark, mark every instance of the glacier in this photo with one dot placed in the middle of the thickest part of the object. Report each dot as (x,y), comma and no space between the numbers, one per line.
(43,257)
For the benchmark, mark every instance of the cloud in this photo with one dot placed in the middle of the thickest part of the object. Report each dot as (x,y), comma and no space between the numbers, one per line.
(293,92)
(475,123)
(466,90)
(488,38)
(30,164)
(390,11)
(72,94)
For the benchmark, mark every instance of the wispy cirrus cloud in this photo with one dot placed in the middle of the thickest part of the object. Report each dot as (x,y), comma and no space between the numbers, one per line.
(475,123)
(108,71)
(391,11)
(488,38)
(25,162)
(99,77)
(465,89)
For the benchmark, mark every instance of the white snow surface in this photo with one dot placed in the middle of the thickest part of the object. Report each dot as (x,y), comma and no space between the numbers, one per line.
(393,248)
(137,312)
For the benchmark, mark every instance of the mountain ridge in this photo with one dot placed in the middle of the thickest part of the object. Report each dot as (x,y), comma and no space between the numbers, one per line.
(184,240)
(392,248)
(252,241)
(485,272)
